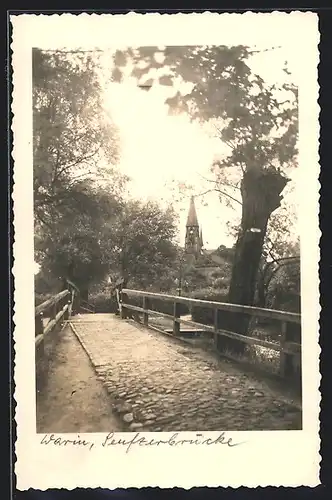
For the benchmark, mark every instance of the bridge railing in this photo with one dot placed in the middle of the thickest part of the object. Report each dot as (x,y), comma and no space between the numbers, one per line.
(49,316)
(51,313)
(290,350)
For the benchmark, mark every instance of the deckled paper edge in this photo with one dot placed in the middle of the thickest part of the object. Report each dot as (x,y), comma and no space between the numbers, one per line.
(19,350)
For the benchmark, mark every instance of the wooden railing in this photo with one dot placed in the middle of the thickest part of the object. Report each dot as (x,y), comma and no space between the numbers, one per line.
(290,351)
(51,313)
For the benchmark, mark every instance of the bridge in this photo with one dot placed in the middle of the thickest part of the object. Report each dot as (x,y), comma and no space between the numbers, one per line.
(153,368)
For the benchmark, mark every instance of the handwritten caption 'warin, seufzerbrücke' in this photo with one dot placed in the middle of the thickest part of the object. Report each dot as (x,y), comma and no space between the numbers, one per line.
(138,440)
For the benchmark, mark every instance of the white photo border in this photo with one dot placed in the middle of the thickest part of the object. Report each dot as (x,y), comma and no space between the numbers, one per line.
(277,458)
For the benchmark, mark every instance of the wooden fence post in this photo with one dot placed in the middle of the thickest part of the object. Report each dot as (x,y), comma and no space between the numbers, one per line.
(39,325)
(71,302)
(215,324)
(123,310)
(53,311)
(76,303)
(176,314)
(145,313)
(40,351)
(67,313)
(286,359)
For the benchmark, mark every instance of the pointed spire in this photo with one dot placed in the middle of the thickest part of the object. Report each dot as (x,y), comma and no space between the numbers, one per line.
(192,216)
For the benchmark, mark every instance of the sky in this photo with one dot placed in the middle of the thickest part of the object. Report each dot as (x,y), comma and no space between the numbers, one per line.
(160,152)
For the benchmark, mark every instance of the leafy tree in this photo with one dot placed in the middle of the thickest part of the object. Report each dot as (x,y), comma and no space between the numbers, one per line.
(226,253)
(281,251)
(284,286)
(76,189)
(281,269)
(257,122)
(77,243)
(145,253)
(73,139)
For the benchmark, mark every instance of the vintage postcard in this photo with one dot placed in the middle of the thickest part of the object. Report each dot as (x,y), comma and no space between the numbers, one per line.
(166,252)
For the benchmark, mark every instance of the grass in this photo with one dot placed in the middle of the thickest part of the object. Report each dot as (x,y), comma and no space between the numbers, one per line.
(264,358)
(258,356)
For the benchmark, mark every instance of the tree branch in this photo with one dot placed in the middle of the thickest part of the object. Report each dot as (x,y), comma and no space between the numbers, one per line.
(224,183)
(284,263)
(264,50)
(43,221)
(76,51)
(77,162)
(219,191)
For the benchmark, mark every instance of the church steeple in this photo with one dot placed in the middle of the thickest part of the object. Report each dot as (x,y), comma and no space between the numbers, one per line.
(193,242)
(192,216)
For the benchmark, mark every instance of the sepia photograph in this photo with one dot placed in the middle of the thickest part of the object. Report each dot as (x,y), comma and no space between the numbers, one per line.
(166,239)
(169,238)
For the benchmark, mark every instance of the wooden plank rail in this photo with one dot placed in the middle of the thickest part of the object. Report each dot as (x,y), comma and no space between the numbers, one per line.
(56,308)
(222,306)
(289,349)
(41,337)
(50,302)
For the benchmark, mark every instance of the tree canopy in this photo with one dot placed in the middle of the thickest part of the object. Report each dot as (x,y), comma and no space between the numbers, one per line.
(73,138)
(145,251)
(84,225)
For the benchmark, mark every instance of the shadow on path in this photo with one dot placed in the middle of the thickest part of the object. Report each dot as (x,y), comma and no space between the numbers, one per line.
(73,400)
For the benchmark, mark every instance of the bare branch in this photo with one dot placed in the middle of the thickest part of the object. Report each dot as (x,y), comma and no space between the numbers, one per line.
(79,160)
(264,50)
(268,240)
(224,183)
(282,261)
(221,192)
(76,177)
(282,264)
(75,51)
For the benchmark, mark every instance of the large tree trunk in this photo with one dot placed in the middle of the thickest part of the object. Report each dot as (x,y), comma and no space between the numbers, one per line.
(261,195)
(261,291)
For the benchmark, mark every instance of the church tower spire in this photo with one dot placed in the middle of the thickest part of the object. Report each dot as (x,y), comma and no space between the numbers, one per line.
(193,235)
(192,220)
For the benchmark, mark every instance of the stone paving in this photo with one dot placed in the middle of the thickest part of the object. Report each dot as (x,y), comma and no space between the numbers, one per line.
(158,384)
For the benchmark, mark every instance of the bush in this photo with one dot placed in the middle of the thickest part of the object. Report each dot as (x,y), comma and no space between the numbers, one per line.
(167,307)
(284,288)
(155,304)
(103,302)
(42,297)
(205,315)
(220,283)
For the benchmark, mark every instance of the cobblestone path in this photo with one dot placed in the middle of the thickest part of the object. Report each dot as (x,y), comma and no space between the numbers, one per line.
(158,384)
